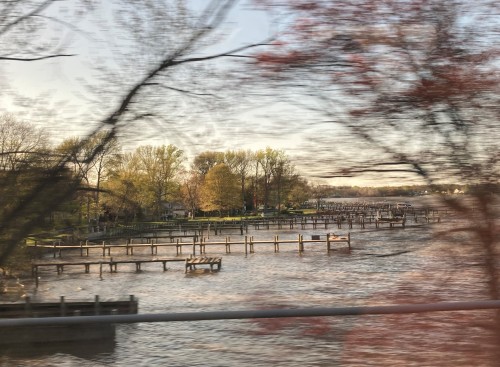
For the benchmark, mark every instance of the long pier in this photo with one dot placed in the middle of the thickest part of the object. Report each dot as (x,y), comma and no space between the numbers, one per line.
(248,243)
(190,264)
(333,215)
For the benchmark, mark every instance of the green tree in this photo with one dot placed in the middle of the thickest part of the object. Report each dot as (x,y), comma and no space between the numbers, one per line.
(123,193)
(220,191)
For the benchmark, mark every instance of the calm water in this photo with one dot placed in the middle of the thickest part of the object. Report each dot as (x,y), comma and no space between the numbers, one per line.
(430,271)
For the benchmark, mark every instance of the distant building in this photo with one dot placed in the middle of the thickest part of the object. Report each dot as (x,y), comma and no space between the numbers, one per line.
(173,209)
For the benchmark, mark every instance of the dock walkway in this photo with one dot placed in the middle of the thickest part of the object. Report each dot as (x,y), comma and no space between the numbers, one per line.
(190,263)
(248,243)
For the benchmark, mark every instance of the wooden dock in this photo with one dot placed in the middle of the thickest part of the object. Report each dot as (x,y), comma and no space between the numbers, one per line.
(193,262)
(333,238)
(391,220)
(68,308)
(247,243)
(38,335)
(113,264)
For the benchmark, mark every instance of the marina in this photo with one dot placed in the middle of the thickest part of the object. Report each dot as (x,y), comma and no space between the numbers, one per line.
(246,243)
(384,266)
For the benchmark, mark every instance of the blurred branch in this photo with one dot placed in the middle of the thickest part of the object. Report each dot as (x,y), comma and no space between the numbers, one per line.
(5,58)
(22,18)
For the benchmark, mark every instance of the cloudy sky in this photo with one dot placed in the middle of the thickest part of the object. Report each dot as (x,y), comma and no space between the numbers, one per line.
(224,109)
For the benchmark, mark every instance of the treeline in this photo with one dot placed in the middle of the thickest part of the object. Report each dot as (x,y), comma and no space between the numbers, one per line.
(149,183)
(154,182)
(157,182)
(384,191)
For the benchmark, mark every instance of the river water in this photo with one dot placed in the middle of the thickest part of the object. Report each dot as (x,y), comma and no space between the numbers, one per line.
(422,269)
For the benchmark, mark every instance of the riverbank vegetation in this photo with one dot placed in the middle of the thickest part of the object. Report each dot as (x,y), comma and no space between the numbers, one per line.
(160,182)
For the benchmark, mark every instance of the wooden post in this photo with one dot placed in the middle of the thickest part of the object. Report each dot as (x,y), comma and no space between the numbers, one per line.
(246,245)
(27,306)
(202,246)
(62,307)
(36,276)
(328,242)
(349,239)
(131,305)
(251,245)
(194,246)
(97,305)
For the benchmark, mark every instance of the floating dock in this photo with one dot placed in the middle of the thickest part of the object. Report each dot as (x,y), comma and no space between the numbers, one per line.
(33,335)
(192,263)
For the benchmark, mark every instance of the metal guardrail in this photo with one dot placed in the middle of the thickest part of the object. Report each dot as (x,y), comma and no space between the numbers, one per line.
(255,314)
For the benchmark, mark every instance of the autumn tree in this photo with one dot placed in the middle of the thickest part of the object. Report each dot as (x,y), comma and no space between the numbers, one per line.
(123,192)
(415,84)
(220,191)
(160,167)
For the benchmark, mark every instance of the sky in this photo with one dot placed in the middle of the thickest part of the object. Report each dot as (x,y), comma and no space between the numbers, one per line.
(59,94)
